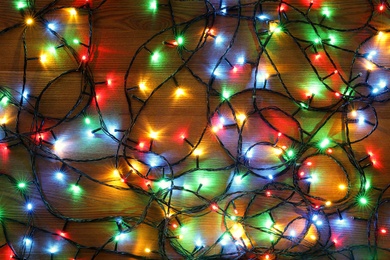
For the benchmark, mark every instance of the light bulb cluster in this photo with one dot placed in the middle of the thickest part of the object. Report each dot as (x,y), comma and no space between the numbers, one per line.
(268,193)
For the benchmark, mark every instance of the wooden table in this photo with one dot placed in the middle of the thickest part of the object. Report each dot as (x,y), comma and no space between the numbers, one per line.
(192,129)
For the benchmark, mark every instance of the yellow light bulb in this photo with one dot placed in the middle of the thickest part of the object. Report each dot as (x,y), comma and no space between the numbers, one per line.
(278,151)
(116,173)
(370,66)
(43,58)
(72,11)
(29,21)
(342,187)
(153,134)
(3,120)
(197,152)
(241,117)
(179,92)
(142,86)
(328,203)
(147,250)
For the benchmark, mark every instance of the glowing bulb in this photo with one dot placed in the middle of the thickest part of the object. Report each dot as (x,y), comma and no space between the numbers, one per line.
(180,40)
(326,12)
(153,5)
(241,117)
(119,237)
(72,11)
(142,86)
(197,152)
(53,249)
(164,184)
(363,201)
(155,57)
(226,94)
(52,50)
(29,206)
(75,188)
(328,203)
(382,84)
(51,26)
(43,58)
(367,185)
(59,176)
(199,242)
(21,5)
(238,179)
(342,187)
(241,60)
(153,135)
(371,54)
(179,92)
(324,143)
(218,39)
(269,223)
(290,153)
(116,173)
(3,120)
(28,241)
(29,21)
(22,185)
(313,178)
(147,250)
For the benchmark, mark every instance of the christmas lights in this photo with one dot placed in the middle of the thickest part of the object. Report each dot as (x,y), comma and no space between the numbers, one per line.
(268,200)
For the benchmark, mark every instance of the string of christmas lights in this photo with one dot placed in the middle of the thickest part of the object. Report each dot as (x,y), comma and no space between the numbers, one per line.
(278,164)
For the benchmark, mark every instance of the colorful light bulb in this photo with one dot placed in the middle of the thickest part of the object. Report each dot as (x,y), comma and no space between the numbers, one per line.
(29,21)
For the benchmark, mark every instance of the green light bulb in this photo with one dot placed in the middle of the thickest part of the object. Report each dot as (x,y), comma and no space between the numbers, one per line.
(22,185)
(324,143)
(153,5)
(290,153)
(363,200)
(4,100)
(226,94)
(76,188)
(21,5)
(180,40)
(155,56)
(326,12)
